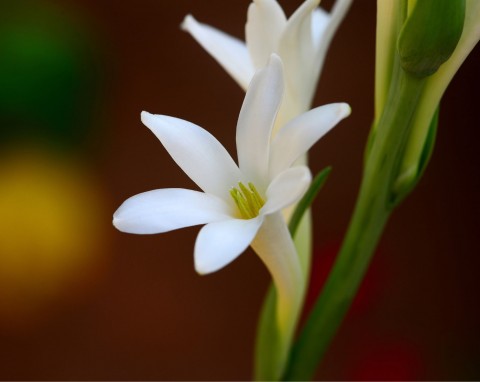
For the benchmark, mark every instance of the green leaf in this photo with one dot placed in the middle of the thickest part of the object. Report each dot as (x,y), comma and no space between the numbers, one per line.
(308,199)
(267,345)
(430,35)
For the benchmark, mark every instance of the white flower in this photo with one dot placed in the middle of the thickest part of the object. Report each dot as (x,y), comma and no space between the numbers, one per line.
(301,42)
(240,205)
(264,170)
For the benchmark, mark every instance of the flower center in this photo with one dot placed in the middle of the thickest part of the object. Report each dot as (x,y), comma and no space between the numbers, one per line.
(248,200)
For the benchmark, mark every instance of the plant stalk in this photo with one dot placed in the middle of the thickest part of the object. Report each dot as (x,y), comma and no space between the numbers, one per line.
(374,205)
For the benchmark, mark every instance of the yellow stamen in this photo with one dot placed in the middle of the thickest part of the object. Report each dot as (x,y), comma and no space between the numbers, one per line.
(248,200)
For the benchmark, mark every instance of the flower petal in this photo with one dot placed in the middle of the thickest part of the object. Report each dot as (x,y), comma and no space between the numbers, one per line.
(256,120)
(298,52)
(337,14)
(299,135)
(320,20)
(287,188)
(228,51)
(265,23)
(197,153)
(220,243)
(167,209)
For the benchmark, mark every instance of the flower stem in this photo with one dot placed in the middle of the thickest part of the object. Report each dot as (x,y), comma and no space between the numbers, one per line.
(374,204)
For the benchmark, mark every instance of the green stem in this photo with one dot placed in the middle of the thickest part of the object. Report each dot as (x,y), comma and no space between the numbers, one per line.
(373,208)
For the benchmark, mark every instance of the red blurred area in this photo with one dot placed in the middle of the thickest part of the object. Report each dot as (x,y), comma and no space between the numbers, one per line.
(371,291)
(388,360)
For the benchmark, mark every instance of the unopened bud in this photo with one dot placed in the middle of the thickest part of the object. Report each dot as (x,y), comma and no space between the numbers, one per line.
(430,35)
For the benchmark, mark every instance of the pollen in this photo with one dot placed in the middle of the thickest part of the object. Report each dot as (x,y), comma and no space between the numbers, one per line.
(248,200)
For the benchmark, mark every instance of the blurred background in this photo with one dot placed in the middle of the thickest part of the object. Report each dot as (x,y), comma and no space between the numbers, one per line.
(82,301)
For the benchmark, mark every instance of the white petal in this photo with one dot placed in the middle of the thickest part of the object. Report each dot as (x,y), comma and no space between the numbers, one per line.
(167,209)
(287,188)
(320,20)
(337,14)
(231,53)
(265,23)
(298,53)
(197,153)
(256,119)
(300,134)
(220,243)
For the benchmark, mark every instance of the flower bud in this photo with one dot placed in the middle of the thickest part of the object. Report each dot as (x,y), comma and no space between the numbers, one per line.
(430,35)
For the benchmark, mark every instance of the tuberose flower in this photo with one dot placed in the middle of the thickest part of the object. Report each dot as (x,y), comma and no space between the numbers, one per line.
(240,205)
(235,199)
(301,41)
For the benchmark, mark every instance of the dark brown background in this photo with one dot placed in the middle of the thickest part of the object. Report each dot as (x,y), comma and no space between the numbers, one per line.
(149,316)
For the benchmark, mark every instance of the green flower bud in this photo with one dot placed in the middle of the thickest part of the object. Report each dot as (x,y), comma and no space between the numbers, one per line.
(430,35)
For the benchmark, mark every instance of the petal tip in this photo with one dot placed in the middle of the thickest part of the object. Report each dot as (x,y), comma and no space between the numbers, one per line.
(117,222)
(199,268)
(203,263)
(304,175)
(187,22)
(146,118)
(145,114)
(275,60)
(345,110)
(312,4)
(307,174)
(203,268)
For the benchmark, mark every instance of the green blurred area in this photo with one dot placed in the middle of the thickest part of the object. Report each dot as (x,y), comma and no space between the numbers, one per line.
(50,75)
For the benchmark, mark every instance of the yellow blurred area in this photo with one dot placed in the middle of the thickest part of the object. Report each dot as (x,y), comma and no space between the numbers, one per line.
(53,232)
